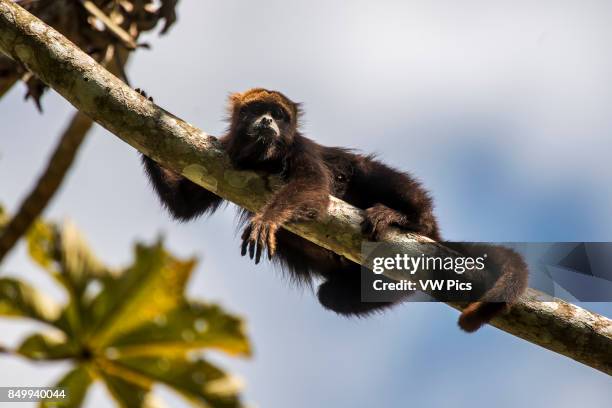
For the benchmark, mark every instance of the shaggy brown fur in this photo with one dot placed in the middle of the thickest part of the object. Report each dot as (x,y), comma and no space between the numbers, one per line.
(263,135)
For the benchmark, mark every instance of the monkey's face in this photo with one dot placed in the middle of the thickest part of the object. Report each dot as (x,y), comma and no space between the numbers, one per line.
(263,117)
(265,122)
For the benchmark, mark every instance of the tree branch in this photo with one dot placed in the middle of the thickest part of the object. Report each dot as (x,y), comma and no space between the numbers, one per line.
(60,162)
(558,326)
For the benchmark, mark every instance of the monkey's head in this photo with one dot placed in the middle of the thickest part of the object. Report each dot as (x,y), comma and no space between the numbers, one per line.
(260,116)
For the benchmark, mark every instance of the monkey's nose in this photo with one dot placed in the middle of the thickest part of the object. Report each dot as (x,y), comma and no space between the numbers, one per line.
(266,121)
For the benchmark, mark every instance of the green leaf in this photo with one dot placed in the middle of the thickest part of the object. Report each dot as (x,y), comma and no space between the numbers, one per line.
(79,270)
(152,286)
(17,298)
(193,326)
(199,381)
(126,394)
(43,245)
(79,264)
(130,390)
(137,330)
(71,319)
(76,383)
(66,255)
(49,346)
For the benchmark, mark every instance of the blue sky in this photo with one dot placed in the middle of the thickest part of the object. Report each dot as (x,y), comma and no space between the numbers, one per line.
(502,109)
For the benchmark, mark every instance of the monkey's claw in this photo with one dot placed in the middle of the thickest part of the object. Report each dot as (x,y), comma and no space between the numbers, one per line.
(143,93)
(257,235)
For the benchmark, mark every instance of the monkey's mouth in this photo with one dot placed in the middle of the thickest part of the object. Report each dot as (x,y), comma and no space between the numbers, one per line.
(263,133)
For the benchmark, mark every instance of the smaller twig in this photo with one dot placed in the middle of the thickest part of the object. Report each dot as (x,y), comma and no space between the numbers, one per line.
(47,184)
(113,27)
(56,170)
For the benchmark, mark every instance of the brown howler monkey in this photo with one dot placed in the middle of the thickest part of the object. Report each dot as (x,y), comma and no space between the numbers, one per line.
(263,135)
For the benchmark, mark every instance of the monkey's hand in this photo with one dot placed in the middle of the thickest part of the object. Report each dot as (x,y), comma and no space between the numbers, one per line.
(258,234)
(379,218)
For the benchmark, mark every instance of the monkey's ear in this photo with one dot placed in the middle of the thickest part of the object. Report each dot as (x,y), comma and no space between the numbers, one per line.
(234,103)
(235,99)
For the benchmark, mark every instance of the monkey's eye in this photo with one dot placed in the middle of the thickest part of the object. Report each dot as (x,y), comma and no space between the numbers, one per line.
(278,113)
(257,109)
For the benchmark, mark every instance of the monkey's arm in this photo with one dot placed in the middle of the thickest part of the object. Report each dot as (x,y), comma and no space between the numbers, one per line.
(394,198)
(183,199)
(304,196)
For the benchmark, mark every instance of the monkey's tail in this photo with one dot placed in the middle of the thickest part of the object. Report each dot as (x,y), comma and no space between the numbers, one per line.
(512,281)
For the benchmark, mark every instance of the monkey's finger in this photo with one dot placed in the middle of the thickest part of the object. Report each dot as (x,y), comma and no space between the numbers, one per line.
(271,246)
(246,232)
(260,242)
(253,239)
(245,240)
(251,248)
(243,248)
(258,251)
(271,242)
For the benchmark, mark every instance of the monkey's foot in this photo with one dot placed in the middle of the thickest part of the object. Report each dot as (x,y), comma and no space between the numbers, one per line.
(257,235)
(143,93)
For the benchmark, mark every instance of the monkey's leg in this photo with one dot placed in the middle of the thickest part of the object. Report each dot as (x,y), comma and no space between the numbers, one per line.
(341,293)
(183,198)
(394,198)
(380,217)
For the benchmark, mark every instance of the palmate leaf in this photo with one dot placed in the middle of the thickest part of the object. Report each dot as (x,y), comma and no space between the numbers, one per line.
(78,263)
(48,346)
(71,319)
(66,255)
(42,239)
(76,383)
(129,388)
(127,394)
(79,268)
(151,287)
(18,299)
(199,381)
(194,325)
(138,330)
